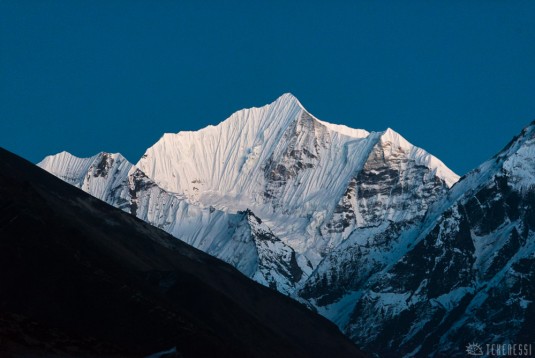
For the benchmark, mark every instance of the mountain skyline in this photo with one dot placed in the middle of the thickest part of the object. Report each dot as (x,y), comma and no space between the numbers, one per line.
(454,78)
(267,178)
(215,123)
(393,239)
(338,126)
(275,163)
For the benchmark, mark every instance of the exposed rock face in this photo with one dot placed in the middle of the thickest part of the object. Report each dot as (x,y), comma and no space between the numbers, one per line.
(277,263)
(300,149)
(383,202)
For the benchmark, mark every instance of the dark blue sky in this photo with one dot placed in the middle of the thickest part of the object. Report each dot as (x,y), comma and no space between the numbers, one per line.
(454,77)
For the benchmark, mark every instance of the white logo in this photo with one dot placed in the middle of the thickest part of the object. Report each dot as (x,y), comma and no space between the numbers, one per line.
(474,349)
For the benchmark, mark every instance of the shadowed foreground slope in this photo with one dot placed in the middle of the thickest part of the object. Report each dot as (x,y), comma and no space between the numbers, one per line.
(81,278)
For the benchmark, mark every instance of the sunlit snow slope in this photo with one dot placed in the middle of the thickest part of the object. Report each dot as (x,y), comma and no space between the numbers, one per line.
(291,169)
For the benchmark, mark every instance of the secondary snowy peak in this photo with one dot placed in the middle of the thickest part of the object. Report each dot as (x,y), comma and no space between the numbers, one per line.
(98,175)
(67,166)
(519,159)
(394,145)
(515,161)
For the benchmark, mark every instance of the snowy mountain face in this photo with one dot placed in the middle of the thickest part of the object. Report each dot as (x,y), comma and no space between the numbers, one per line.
(290,169)
(100,175)
(277,161)
(363,227)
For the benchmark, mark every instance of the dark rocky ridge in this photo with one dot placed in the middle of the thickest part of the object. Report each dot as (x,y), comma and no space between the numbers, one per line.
(81,278)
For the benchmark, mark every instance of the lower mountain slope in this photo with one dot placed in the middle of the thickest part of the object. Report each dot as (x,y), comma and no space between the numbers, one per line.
(81,278)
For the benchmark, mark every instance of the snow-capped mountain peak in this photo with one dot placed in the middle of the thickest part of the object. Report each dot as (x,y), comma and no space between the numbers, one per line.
(396,144)
(97,175)
(213,157)
(260,150)
(324,213)
(311,182)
